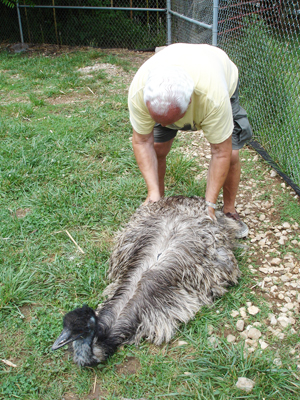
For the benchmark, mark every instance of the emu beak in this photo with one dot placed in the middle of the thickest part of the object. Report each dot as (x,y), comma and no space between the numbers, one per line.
(64,338)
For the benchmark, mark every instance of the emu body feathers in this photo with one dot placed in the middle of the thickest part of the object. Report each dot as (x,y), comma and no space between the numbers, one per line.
(168,261)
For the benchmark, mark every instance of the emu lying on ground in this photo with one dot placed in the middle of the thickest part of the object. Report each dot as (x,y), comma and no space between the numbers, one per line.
(170,259)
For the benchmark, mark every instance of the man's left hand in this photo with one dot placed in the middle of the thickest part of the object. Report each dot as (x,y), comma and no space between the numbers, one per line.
(211,213)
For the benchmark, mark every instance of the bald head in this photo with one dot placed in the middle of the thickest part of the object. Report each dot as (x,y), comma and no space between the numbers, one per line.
(167,90)
(169,117)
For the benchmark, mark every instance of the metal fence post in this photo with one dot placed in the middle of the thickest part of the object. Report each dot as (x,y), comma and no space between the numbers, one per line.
(215,23)
(169,37)
(20,23)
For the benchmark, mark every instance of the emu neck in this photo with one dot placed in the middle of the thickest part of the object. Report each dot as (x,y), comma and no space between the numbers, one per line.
(83,350)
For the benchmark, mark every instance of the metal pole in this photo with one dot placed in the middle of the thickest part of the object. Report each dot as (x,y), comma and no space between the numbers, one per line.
(96,8)
(55,23)
(193,21)
(20,23)
(215,23)
(169,37)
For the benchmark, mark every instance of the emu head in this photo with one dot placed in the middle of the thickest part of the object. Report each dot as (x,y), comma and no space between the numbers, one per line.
(78,325)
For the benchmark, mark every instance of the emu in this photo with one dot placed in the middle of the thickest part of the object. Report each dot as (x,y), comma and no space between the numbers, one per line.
(168,261)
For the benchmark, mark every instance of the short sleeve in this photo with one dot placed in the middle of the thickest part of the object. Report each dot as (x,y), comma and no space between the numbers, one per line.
(140,118)
(218,125)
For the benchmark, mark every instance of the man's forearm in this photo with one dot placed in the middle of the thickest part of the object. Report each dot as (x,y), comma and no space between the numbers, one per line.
(218,169)
(217,173)
(143,147)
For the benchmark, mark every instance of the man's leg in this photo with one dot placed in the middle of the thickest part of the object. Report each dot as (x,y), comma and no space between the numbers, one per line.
(241,134)
(230,189)
(231,184)
(162,150)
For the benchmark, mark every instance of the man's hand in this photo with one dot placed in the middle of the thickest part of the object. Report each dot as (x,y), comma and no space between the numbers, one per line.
(211,213)
(151,199)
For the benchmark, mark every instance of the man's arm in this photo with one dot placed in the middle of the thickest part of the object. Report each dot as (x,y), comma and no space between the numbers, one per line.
(218,170)
(143,147)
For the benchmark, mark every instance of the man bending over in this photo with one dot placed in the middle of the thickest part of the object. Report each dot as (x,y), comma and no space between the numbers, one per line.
(190,87)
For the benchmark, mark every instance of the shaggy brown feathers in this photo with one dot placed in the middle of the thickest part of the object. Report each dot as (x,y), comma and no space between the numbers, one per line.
(168,261)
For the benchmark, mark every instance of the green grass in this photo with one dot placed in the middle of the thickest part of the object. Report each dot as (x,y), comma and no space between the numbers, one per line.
(69,166)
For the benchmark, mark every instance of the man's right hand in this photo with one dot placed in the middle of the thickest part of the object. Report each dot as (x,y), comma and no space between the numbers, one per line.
(151,199)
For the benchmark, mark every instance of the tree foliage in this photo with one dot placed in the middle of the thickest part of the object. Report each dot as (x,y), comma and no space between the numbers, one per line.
(13,3)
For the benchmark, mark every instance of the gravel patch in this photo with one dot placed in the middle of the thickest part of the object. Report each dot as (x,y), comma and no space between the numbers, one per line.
(271,260)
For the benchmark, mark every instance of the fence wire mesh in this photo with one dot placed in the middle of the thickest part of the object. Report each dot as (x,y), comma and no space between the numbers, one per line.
(261,36)
(122,25)
(187,32)
(9,26)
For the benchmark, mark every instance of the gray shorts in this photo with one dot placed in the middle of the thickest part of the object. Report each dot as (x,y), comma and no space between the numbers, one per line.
(242,131)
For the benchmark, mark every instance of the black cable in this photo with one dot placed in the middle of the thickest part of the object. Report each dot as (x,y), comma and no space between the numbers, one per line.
(260,150)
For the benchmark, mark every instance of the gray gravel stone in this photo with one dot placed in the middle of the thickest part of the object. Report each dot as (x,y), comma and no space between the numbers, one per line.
(240,325)
(245,384)
(254,333)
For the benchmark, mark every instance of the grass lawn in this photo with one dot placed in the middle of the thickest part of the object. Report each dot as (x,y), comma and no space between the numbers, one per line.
(67,166)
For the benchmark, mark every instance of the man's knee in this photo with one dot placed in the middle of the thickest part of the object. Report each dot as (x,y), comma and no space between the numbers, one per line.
(235,158)
(162,149)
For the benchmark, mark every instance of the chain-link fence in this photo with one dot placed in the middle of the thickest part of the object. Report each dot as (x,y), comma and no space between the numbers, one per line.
(261,36)
(9,26)
(133,24)
(186,31)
